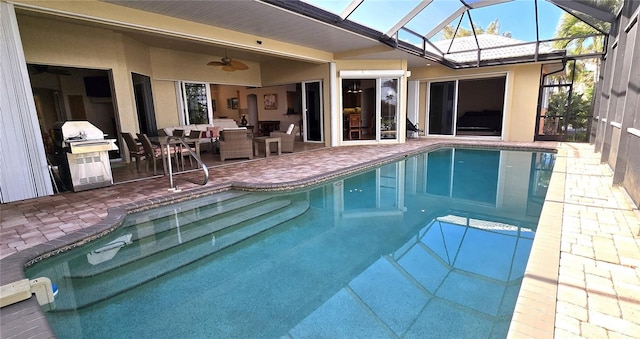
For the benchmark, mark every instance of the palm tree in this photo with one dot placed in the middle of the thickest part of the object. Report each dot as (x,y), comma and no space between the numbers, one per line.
(449,31)
(572,26)
(580,38)
(586,40)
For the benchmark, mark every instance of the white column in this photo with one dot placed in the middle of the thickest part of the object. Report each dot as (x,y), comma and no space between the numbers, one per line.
(413,97)
(335,111)
(24,171)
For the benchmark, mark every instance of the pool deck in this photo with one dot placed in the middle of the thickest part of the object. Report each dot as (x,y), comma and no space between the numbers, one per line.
(582,279)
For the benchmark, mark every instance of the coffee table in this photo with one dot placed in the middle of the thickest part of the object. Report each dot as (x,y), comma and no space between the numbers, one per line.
(266,141)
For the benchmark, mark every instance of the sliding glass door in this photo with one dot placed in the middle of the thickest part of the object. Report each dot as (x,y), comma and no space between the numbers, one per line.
(389,108)
(441,107)
(144,104)
(469,107)
(312,116)
(370,108)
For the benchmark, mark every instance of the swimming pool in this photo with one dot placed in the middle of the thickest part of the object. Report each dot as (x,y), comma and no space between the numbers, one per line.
(434,245)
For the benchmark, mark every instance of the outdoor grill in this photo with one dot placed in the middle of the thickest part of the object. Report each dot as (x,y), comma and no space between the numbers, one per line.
(82,155)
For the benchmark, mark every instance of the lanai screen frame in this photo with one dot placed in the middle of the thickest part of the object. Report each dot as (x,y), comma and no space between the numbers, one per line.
(583,11)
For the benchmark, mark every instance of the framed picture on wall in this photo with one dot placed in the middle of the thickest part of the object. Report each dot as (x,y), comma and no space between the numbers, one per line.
(232,103)
(270,101)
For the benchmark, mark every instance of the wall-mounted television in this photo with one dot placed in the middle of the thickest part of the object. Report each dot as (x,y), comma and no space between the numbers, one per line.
(97,87)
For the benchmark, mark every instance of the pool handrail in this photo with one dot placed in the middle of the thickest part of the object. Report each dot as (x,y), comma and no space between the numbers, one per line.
(173,188)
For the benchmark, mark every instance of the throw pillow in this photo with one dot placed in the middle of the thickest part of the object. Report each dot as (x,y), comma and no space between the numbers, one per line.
(290,129)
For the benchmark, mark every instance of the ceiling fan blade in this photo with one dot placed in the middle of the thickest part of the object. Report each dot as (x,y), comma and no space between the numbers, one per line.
(60,71)
(216,63)
(40,69)
(239,65)
(228,68)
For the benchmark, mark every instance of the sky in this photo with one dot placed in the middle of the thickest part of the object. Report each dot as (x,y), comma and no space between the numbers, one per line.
(517,17)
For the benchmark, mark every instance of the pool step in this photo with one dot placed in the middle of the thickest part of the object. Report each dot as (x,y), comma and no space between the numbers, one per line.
(187,212)
(162,234)
(95,288)
(217,199)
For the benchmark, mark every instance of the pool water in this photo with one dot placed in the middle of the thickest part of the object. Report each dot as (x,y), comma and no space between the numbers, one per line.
(434,245)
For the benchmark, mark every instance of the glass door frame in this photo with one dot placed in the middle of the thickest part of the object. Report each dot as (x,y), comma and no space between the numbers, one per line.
(456,80)
(305,111)
(454,113)
(378,76)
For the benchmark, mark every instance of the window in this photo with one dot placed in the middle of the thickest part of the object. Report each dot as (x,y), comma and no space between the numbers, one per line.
(195,103)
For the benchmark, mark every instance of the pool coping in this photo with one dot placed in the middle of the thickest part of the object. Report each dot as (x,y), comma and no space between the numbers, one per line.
(534,313)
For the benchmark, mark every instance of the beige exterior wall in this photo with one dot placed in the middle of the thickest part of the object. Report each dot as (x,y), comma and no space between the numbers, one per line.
(127,18)
(521,94)
(522,101)
(171,65)
(165,103)
(66,44)
(182,65)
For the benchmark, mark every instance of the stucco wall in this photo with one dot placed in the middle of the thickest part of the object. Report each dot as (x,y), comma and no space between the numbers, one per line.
(171,65)
(183,65)
(178,28)
(66,44)
(165,103)
(522,103)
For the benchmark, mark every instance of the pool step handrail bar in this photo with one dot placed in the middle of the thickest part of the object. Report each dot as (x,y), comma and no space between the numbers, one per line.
(204,168)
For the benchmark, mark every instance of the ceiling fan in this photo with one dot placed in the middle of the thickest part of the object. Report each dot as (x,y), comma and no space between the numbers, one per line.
(228,64)
(37,69)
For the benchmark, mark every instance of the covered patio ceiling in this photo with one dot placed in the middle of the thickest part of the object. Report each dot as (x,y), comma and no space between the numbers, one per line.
(454,33)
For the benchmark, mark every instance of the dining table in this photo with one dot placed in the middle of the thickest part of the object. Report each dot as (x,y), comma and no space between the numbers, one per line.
(166,142)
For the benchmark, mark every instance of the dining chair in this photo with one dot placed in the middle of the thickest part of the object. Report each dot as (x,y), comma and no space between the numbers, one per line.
(152,153)
(181,151)
(135,151)
(354,125)
(194,134)
(213,133)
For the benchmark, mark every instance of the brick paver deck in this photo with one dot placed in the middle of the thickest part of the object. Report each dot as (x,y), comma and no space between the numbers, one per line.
(599,282)
(582,279)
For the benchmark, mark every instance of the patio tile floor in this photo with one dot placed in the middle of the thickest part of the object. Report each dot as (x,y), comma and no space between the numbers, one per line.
(582,281)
